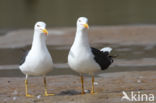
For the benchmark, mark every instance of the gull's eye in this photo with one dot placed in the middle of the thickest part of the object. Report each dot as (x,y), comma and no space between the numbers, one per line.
(38,25)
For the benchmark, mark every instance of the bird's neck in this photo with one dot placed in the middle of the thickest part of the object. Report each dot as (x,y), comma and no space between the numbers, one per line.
(81,38)
(39,41)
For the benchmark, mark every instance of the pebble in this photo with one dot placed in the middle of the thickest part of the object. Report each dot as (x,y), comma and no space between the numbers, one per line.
(39,96)
(96,83)
(140,77)
(86,91)
(15,92)
(14,98)
(139,81)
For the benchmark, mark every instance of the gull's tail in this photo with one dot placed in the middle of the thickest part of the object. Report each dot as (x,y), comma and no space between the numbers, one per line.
(106,49)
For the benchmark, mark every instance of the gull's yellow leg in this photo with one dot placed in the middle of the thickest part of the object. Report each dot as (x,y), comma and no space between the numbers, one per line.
(26,88)
(92,91)
(82,84)
(45,88)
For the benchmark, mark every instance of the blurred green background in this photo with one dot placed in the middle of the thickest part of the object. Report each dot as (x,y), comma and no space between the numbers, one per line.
(61,13)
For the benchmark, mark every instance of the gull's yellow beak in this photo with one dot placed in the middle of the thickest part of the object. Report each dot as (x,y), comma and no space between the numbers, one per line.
(45,31)
(86,26)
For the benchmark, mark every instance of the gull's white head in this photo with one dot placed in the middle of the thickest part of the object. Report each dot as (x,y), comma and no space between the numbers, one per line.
(41,28)
(82,23)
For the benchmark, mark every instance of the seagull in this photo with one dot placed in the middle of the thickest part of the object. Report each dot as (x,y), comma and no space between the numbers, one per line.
(37,61)
(85,59)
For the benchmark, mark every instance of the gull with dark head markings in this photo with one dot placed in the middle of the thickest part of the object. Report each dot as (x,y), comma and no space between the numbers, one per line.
(84,59)
(37,60)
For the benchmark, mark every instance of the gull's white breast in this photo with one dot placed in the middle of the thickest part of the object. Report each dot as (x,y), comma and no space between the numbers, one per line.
(37,63)
(81,60)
